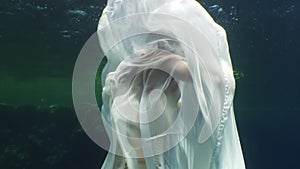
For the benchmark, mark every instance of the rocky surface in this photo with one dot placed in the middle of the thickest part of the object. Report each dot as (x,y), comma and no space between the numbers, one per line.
(45,138)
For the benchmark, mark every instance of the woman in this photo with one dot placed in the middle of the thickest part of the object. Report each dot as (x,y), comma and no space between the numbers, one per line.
(168,87)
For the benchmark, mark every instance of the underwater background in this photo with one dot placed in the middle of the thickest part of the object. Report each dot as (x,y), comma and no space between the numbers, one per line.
(41,39)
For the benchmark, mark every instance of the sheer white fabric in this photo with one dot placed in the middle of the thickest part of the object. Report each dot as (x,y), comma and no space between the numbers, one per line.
(196,128)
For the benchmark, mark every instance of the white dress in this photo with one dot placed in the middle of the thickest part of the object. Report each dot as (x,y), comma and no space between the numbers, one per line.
(156,120)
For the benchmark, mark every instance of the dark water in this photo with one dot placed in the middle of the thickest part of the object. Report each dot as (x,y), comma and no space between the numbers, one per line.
(39,44)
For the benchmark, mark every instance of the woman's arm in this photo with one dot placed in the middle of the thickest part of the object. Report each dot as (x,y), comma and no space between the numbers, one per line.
(178,68)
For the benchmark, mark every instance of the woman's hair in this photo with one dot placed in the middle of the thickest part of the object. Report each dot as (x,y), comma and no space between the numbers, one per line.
(164,42)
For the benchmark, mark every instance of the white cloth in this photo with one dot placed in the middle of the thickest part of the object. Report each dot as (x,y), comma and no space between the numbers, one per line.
(138,36)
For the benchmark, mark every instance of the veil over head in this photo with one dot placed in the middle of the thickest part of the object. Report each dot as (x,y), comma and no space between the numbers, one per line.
(137,35)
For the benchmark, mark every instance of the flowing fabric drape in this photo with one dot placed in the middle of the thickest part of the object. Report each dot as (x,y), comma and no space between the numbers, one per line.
(199,132)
